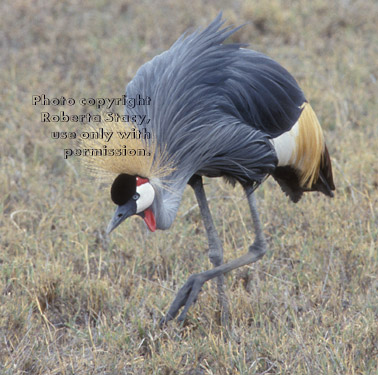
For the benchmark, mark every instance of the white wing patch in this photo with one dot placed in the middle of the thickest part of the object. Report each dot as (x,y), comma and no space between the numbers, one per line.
(286,146)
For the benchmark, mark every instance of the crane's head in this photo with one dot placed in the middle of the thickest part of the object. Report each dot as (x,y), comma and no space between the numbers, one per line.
(134,196)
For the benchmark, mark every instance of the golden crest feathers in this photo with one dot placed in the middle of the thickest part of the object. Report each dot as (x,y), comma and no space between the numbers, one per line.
(126,149)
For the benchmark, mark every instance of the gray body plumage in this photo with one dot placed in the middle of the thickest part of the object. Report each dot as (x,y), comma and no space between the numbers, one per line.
(219,110)
(214,108)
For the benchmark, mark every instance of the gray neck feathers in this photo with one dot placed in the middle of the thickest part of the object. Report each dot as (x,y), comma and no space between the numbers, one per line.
(166,203)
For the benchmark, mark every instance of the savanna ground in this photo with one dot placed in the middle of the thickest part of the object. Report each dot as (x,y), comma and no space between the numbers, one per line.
(76,302)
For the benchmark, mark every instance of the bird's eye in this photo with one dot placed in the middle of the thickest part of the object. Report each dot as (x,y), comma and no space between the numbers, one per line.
(136,196)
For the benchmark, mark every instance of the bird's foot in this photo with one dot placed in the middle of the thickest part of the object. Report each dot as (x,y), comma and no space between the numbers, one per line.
(186,297)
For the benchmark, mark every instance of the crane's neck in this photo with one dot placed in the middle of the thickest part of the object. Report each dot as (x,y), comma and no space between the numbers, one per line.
(166,203)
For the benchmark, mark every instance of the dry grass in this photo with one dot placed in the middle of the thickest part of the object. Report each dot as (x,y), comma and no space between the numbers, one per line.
(75,302)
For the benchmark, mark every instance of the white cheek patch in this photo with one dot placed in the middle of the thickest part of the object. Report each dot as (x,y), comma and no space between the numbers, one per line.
(146,197)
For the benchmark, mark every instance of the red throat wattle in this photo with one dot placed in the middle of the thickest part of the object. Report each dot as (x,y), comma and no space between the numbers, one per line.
(149,219)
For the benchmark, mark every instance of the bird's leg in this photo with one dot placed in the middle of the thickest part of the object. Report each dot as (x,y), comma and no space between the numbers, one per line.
(215,244)
(189,292)
(259,234)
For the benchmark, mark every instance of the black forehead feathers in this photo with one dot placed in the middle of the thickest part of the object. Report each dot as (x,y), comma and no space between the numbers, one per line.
(123,188)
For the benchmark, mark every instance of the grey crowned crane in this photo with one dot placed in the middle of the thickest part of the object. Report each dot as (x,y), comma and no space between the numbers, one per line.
(216,110)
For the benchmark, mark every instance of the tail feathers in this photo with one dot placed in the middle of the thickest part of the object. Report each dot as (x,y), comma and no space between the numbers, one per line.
(289,179)
(303,159)
(324,183)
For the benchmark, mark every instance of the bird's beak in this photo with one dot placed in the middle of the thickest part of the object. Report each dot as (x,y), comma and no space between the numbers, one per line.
(121,213)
